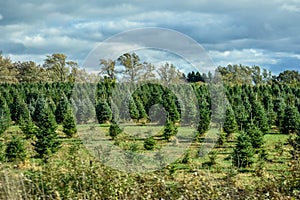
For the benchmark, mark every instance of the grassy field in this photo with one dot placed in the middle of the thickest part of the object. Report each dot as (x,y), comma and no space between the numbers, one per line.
(86,167)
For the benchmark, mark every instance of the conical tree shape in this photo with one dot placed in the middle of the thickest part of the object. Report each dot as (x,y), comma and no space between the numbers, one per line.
(61,109)
(4,115)
(256,137)
(69,125)
(103,111)
(259,117)
(230,125)
(170,129)
(204,117)
(133,111)
(47,139)
(243,151)
(291,120)
(15,150)
(19,110)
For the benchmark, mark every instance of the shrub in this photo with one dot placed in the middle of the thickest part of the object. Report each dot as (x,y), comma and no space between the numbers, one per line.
(149,143)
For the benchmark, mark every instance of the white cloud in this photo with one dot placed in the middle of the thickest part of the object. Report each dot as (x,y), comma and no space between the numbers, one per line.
(244,56)
(1,17)
(290,7)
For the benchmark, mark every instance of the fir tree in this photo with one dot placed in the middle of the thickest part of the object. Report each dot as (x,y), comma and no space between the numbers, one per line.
(15,150)
(114,130)
(103,111)
(19,110)
(47,141)
(243,151)
(291,120)
(28,127)
(230,125)
(61,109)
(259,117)
(204,117)
(69,125)
(170,129)
(256,137)
(4,115)
(133,111)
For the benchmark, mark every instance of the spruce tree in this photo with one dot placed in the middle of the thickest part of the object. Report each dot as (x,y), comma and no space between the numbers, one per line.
(230,125)
(69,125)
(243,151)
(204,117)
(259,117)
(47,141)
(256,137)
(103,111)
(133,111)
(61,109)
(15,150)
(4,115)
(291,120)
(170,129)
(19,110)
(114,130)
(28,127)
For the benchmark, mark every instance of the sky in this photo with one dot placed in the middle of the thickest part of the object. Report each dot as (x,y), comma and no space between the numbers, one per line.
(248,32)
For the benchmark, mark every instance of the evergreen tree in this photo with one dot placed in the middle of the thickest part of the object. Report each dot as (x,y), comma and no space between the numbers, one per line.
(61,109)
(133,111)
(38,107)
(259,117)
(243,151)
(140,107)
(28,127)
(149,143)
(4,115)
(69,125)
(170,129)
(291,120)
(114,130)
(230,125)
(15,150)
(47,141)
(204,117)
(256,137)
(103,111)
(19,109)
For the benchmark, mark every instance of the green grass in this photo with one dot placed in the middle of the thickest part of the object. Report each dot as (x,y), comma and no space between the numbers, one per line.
(76,153)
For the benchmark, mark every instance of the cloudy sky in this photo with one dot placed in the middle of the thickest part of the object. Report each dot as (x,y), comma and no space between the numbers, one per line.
(252,32)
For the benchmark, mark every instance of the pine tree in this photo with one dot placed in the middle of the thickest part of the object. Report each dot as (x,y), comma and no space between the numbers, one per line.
(259,117)
(19,110)
(47,141)
(114,130)
(28,127)
(170,129)
(149,143)
(230,125)
(4,115)
(69,125)
(133,111)
(243,151)
(15,150)
(256,137)
(103,111)
(61,109)
(204,117)
(291,120)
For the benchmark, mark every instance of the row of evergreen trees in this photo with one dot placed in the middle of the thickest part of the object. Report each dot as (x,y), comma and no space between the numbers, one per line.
(253,110)
(37,109)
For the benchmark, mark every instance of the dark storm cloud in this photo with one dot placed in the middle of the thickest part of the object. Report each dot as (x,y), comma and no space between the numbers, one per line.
(229,30)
